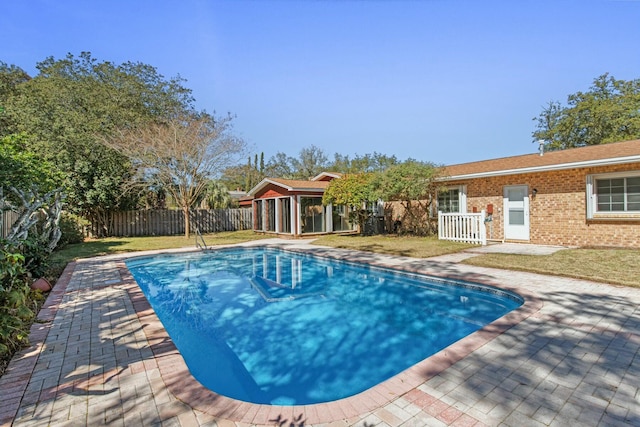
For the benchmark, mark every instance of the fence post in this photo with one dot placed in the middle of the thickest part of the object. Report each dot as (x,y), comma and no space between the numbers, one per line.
(483,228)
(458,227)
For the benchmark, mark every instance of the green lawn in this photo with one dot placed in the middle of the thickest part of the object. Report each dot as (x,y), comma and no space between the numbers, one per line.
(114,245)
(614,266)
(416,247)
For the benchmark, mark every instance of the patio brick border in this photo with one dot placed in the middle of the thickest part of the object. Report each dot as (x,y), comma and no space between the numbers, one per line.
(16,378)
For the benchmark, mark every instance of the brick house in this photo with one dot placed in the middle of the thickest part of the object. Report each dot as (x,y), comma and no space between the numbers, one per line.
(587,196)
(294,207)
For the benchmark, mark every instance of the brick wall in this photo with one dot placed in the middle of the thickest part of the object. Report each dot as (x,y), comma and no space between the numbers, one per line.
(558,211)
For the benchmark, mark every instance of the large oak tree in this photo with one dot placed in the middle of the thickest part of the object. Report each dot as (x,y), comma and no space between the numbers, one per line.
(74,102)
(608,112)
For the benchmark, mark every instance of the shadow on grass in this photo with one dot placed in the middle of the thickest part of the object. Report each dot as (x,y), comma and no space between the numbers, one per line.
(89,249)
(417,247)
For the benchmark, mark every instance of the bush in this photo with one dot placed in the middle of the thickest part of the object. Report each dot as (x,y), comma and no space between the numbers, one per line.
(36,257)
(15,300)
(71,227)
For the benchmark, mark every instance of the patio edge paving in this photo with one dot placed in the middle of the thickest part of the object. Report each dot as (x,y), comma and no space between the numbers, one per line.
(16,378)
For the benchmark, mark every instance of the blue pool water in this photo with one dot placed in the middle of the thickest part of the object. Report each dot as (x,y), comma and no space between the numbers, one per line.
(275,327)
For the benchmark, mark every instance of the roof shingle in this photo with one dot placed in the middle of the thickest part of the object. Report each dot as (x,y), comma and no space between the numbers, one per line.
(575,157)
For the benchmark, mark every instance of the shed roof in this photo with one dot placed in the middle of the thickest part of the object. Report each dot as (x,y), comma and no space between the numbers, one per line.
(291,185)
(594,155)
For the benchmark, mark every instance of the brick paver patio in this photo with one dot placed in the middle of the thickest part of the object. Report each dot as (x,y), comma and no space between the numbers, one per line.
(570,356)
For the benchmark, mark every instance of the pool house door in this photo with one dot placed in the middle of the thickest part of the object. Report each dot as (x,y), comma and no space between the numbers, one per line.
(516,212)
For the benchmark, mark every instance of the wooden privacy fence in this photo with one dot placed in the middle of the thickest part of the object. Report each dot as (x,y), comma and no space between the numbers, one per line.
(462,227)
(7,219)
(168,222)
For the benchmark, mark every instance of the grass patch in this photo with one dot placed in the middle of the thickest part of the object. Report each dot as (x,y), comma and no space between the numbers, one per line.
(114,245)
(416,247)
(613,266)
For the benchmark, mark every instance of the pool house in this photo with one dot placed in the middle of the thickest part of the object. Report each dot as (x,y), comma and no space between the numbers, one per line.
(294,208)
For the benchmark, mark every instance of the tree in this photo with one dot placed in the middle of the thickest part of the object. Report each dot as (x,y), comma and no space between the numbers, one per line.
(280,166)
(311,162)
(261,165)
(22,169)
(235,177)
(217,196)
(355,191)
(249,179)
(182,155)
(244,176)
(72,104)
(414,185)
(11,77)
(375,162)
(608,112)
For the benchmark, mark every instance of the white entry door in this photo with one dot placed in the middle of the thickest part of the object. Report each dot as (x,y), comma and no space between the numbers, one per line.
(516,212)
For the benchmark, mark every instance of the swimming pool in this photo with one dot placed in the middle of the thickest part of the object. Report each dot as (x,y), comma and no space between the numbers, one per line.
(282,328)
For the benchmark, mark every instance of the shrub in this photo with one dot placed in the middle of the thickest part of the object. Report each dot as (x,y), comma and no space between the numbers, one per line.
(36,256)
(15,314)
(71,226)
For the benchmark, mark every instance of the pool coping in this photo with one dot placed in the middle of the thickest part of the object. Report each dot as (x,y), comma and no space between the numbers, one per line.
(186,388)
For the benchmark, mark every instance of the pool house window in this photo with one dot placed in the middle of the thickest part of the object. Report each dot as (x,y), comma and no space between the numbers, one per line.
(312,218)
(285,214)
(271,214)
(340,216)
(258,215)
(612,194)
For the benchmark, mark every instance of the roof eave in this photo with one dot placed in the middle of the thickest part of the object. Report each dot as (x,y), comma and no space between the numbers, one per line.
(266,181)
(329,174)
(309,190)
(547,168)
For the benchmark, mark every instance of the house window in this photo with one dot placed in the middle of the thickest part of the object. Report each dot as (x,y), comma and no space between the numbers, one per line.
(452,200)
(618,194)
(449,201)
(612,194)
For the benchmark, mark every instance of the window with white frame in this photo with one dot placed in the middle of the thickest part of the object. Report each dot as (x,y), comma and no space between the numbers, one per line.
(613,194)
(452,200)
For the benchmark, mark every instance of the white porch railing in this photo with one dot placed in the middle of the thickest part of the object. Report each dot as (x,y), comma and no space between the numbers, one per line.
(462,227)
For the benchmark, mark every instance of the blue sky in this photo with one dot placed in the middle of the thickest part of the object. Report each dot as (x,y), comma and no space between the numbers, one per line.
(435,80)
